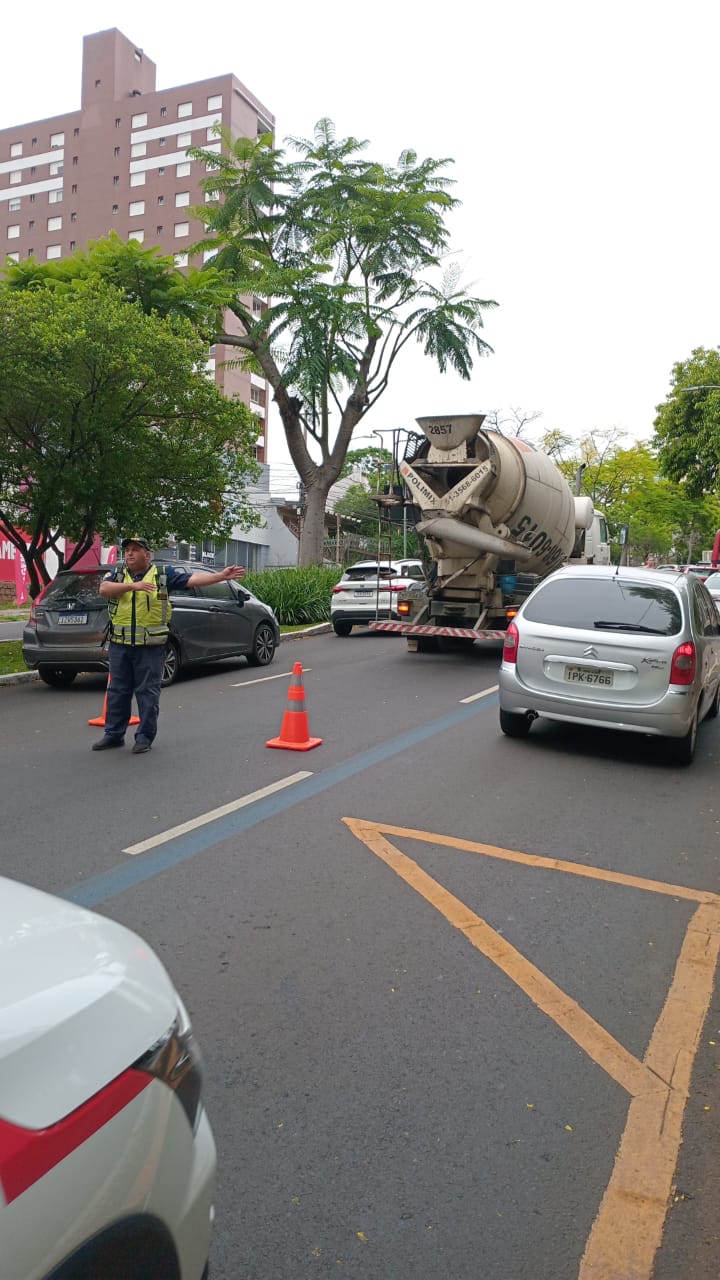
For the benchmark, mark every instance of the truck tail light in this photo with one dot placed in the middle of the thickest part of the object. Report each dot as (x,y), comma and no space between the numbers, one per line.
(682,669)
(403,608)
(510,647)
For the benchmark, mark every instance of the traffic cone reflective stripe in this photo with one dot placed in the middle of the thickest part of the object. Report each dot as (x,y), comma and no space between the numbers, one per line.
(100,720)
(295,730)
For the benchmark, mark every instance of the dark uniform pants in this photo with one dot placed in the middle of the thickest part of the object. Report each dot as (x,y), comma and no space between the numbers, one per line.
(134,669)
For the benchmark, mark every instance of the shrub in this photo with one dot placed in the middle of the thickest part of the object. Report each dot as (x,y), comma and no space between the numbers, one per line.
(298,596)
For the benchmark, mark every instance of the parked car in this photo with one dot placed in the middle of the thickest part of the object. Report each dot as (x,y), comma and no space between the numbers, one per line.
(64,634)
(701,571)
(712,584)
(107,1158)
(368,592)
(630,649)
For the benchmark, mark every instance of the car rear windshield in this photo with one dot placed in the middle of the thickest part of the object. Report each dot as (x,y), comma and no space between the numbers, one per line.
(606,604)
(71,587)
(369,571)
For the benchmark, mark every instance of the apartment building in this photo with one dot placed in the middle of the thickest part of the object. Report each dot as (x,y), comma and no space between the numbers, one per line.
(120,164)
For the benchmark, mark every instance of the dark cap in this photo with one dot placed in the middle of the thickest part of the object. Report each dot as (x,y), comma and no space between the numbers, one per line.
(141,542)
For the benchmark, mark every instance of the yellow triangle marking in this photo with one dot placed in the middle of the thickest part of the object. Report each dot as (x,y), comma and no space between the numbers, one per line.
(628,1228)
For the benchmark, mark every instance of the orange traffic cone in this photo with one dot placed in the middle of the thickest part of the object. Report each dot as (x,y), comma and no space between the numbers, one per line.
(103,715)
(295,730)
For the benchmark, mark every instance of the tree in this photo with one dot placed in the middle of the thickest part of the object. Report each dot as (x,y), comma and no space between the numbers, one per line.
(108,422)
(347,253)
(687,426)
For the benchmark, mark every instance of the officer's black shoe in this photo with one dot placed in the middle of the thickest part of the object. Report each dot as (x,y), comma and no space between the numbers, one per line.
(140,748)
(106,744)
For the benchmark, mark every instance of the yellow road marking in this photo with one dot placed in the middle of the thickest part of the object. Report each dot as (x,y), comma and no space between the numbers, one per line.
(628,1227)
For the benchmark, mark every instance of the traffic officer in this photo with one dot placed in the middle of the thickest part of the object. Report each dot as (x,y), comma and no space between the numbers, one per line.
(140,611)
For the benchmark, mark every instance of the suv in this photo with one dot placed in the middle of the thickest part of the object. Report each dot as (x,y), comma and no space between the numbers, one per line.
(368,592)
(630,649)
(64,634)
(107,1159)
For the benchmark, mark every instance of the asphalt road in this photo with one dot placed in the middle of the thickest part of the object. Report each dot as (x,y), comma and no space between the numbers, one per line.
(445,984)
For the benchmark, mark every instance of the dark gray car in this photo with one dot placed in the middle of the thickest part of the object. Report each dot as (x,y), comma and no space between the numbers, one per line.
(64,634)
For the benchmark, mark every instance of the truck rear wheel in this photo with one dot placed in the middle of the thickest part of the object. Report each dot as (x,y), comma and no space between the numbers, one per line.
(515,725)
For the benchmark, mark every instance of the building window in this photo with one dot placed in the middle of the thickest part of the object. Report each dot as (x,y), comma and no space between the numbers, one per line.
(161,171)
(116,152)
(211,166)
(137,235)
(135,207)
(181,259)
(161,199)
(138,149)
(138,122)
(116,180)
(184,109)
(13,233)
(98,83)
(210,196)
(215,102)
(182,229)
(14,204)
(76,133)
(161,142)
(181,198)
(257,396)
(137,179)
(75,159)
(15,149)
(33,170)
(72,245)
(73,217)
(158,231)
(184,139)
(182,170)
(54,224)
(54,197)
(74,188)
(53,251)
(115,208)
(118,122)
(34,142)
(31,224)
(209,254)
(57,139)
(210,133)
(14,257)
(32,199)
(15,177)
(163,112)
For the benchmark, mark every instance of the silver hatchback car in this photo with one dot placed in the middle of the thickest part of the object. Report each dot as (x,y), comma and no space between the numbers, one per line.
(630,649)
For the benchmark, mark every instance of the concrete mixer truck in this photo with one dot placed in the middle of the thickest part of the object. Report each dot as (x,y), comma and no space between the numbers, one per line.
(496,516)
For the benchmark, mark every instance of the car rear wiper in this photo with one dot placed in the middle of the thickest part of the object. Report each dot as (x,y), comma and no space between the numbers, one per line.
(639,627)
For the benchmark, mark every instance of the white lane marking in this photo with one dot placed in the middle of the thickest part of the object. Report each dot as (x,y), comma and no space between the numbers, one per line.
(283,675)
(163,836)
(482,694)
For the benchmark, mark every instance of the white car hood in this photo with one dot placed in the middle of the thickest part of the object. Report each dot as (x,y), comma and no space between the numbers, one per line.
(81,999)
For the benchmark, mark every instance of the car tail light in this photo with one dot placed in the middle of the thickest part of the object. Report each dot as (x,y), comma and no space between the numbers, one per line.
(175,1059)
(510,647)
(32,620)
(682,669)
(337,590)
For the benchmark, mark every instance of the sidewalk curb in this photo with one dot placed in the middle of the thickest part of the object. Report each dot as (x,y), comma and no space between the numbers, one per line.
(322,628)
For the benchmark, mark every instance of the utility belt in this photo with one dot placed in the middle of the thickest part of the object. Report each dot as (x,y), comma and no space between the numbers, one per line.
(143,635)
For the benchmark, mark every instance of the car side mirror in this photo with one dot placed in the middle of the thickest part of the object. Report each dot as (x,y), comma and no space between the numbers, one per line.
(242,596)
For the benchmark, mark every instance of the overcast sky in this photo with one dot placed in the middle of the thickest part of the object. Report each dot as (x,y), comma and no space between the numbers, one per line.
(585,141)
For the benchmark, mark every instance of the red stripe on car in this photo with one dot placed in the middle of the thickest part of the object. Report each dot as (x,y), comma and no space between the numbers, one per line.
(26,1155)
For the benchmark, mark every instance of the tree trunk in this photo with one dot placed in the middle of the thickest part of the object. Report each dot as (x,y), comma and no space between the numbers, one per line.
(313,526)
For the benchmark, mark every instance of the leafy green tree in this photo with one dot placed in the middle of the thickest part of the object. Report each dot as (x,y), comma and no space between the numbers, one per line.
(144,276)
(108,422)
(347,254)
(687,426)
(375,463)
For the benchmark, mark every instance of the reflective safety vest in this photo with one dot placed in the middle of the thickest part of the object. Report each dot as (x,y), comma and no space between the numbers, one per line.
(140,617)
